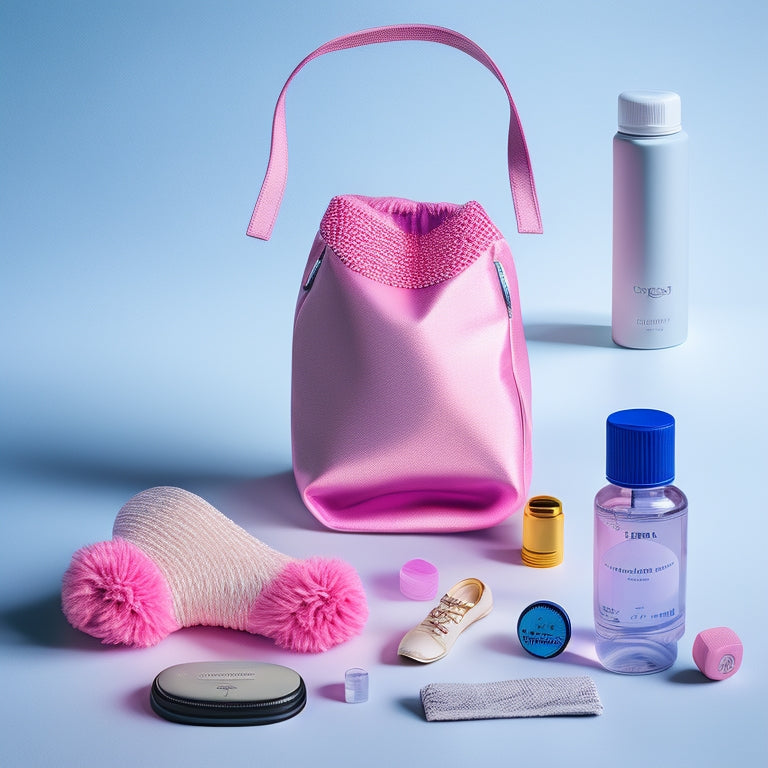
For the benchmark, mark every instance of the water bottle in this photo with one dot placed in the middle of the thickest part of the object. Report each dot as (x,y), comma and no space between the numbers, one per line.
(640,546)
(650,222)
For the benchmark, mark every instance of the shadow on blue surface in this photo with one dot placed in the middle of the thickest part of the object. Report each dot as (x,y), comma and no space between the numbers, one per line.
(413,705)
(271,498)
(333,691)
(75,467)
(580,334)
(42,623)
(689,677)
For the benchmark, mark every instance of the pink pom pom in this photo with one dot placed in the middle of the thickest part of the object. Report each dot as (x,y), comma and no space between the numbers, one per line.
(113,591)
(311,606)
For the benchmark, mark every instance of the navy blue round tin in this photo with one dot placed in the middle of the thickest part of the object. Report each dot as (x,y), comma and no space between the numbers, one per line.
(544,629)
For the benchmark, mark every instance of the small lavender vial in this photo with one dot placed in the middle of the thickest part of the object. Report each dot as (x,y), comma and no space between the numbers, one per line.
(356,686)
(640,546)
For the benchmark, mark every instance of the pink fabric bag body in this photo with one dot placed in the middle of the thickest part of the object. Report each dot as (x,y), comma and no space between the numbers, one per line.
(411,397)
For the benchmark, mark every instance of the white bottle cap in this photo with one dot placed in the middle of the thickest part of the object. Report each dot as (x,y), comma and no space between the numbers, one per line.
(649,113)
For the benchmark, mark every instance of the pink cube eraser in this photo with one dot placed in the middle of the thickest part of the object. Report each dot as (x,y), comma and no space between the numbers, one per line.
(718,652)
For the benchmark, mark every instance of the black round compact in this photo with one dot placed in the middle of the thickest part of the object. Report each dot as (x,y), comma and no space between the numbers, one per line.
(228,693)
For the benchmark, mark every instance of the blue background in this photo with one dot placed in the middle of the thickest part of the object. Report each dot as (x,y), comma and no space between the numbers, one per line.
(145,340)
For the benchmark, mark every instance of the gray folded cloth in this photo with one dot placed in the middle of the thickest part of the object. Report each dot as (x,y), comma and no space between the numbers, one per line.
(532,697)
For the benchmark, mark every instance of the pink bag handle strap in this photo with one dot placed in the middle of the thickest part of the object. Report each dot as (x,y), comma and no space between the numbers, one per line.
(520,173)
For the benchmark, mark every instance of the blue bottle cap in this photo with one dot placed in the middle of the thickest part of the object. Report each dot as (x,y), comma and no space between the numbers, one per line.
(544,629)
(640,448)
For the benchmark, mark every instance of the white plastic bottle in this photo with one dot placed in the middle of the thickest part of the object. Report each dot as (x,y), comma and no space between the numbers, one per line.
(650,222)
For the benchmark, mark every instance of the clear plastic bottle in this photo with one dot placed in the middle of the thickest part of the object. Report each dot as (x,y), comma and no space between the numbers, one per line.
(650,222)
(640,546)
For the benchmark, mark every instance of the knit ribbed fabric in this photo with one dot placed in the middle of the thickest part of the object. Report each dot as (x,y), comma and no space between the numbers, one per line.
(214,568)
(406,244)
(532,697)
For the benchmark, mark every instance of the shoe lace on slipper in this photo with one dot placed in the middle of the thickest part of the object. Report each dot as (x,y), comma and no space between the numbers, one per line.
(450,609)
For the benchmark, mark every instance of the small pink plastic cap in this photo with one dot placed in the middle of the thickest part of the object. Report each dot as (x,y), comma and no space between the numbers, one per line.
(418,580)
(718,652)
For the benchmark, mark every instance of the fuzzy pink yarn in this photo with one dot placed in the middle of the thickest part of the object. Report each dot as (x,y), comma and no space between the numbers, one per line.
(311,606)
(113,591)
(175,561)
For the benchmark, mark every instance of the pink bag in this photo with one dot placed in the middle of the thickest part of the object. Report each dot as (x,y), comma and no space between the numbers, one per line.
(411,390)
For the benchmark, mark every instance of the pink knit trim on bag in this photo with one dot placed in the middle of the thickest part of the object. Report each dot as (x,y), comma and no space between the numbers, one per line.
(406,244)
